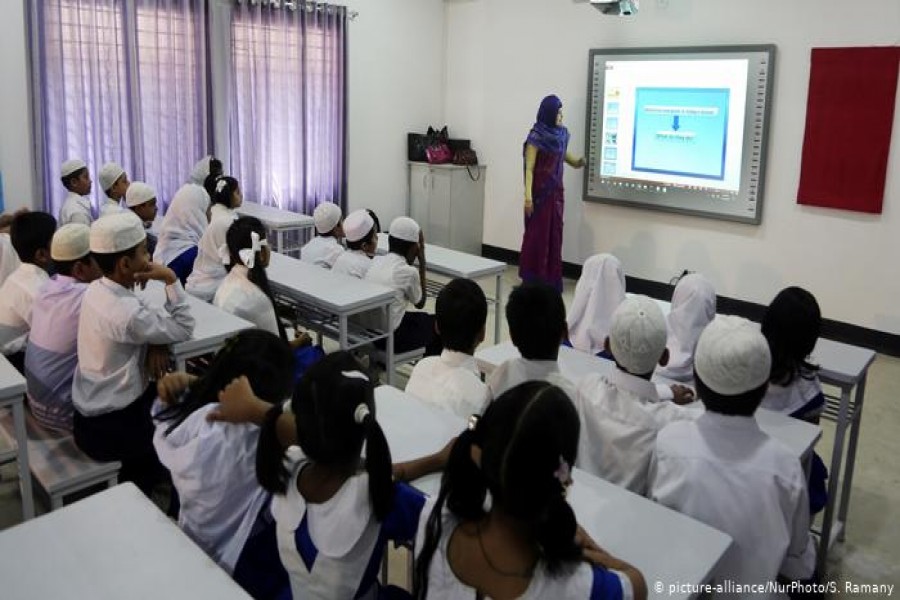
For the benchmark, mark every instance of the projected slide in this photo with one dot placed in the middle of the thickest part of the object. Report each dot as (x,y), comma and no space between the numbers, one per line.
(680,131)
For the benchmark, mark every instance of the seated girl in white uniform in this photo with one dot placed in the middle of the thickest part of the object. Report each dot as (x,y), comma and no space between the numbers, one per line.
(324,249)
(213,465)
(527,544)
(181,230)
(600,289)
(209,271)
(334,510)
(362,242)
(693,307)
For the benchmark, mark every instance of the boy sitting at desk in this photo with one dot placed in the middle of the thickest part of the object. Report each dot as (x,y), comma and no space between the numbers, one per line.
(110,389)
(324,249)
(722,470)
(621,412)
(451,381)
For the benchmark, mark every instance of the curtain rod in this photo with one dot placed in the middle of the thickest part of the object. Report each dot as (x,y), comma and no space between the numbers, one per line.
(295,4)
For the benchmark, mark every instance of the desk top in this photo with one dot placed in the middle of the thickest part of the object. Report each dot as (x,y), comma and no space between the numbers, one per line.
(114,544)
(275,218)
(452,263)
(336,292)
(12,384)
(628,526)
(841,363)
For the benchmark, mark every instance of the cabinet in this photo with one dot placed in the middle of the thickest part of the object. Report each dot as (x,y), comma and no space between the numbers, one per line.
(448,202)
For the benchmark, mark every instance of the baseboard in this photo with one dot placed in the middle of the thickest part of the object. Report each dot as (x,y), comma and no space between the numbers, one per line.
(879,341)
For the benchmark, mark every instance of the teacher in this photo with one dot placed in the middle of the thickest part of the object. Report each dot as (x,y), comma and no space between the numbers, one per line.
(544,152)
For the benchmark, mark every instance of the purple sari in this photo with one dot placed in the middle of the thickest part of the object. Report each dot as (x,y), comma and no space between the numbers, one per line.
(541,255)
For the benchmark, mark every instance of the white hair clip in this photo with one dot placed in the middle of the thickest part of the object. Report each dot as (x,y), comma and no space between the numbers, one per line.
(224,255)
(248,255)
(355,375)
(220,185)
(360,414)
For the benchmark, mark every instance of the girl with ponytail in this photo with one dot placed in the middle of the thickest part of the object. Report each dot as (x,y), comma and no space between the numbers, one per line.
(213,465)
(225,197)
(527,544)
(334,510)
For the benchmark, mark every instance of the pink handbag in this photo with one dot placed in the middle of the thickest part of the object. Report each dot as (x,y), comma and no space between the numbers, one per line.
(438,154)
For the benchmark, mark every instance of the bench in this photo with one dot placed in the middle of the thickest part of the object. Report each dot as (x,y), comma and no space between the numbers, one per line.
(56,463)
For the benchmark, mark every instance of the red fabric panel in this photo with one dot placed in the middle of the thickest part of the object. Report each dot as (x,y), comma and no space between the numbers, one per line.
(849,113)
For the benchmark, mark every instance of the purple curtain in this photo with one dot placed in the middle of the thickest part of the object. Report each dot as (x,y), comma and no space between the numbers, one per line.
(119,80)
(289,104)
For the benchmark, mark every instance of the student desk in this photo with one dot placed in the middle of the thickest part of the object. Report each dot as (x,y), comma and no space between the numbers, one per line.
(12,395)
(278,220)
(114,544)
(797,435)
(452,263)
(633,528)
(323,298)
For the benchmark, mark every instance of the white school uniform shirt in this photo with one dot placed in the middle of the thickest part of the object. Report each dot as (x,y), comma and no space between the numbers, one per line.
(449,382)
(51,355)
(114,329)
(110,207)
(620,416)
(584,582)
(392,270)
(9,260)
(352,262)
(519,370)
(16,297)
(209,270)
(243,298)
(213,467)
(599,291)
(693,308)
(726,472)
(333,550)
(788,399)
(322,250)
(75,209)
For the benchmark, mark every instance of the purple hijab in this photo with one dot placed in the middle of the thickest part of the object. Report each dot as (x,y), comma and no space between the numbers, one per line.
(545,135)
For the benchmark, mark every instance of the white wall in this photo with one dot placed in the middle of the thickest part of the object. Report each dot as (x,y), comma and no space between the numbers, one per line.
(505,55)
(15,137)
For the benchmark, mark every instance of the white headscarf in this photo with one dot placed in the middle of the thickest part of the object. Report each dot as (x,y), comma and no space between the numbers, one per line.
(693,307)
(184,223)
(598,293)
(9,260)
(201,170)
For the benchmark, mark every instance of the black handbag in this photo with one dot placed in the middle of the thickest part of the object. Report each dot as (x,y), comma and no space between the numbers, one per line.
(416,143)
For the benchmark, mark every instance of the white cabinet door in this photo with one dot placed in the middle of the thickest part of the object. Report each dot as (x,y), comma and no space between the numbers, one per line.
(419,192)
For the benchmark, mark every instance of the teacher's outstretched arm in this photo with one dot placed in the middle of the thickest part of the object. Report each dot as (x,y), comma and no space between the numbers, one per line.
(572,161)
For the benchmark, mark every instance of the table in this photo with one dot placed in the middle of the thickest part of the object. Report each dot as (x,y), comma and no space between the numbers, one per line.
(114,544)
(12,395)
(323,297)
(453,263)
(629,526)
(278,220)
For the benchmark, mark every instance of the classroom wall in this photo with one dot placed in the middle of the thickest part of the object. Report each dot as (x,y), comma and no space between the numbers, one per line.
(505,55)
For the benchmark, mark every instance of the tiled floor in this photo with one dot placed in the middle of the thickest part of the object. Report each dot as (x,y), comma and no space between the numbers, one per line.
(871,552)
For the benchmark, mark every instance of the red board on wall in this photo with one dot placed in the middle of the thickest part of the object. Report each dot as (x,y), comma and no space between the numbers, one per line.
(849,114)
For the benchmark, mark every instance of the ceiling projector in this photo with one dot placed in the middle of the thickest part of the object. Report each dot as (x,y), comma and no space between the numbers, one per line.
(616,7)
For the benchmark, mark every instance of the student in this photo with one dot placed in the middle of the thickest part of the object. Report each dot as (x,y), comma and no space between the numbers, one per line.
(375,219)
(362,242)
(52,351)
(114,183)
(213,465)
(722,470)
(621,412)
(9,260)
(537,324)
(693,307)
(334,511)
(526,545)
(110,391)
(451,381)
(600,289)
(181,230)
(324,249)
(209,270)
(208,166)
(141,200)
(31,234)
(76,179)
(406,244)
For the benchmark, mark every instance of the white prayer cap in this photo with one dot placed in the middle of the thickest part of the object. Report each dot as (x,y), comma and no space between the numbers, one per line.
(71,242)
(326,216)
(116,232)
(404,228)
(357,225)
(138,193)
(201,170)
(732,356)
(637,334)
(109,173)
(70,166)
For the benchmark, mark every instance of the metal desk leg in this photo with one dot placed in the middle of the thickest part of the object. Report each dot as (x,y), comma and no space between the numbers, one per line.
(389,345)
(342,331)
(279,237)
(834,477)
(498,307)
(851,456)
(22,460)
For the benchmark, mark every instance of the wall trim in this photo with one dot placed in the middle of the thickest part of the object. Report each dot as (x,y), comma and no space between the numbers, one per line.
(879,341)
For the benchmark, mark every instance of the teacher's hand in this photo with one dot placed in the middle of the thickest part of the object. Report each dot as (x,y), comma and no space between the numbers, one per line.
(579,163)
(529,207)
